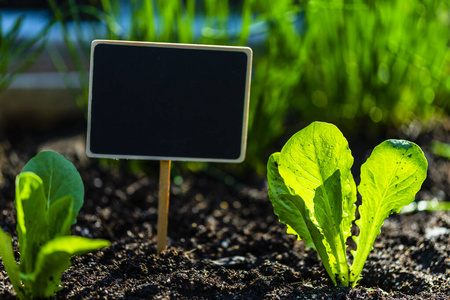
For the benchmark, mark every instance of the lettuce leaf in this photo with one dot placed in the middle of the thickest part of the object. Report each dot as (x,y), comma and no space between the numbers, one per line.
(53,259)
(315,169)
(32,224)
(390,178)
(60,178)
(9,261)
(292,212)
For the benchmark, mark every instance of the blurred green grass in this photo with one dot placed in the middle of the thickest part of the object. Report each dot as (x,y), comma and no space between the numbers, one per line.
(17,56)
(364,65)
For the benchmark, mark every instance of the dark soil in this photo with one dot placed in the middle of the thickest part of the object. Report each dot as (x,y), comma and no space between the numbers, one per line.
(224,239)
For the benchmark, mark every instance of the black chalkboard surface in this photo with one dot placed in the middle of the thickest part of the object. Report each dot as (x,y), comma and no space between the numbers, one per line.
(168,101)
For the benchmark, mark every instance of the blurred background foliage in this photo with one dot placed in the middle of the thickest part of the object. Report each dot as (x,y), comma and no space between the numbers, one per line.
(364,65)
(16,57)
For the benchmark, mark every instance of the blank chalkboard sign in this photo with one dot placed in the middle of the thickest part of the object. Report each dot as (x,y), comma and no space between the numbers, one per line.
(168,101)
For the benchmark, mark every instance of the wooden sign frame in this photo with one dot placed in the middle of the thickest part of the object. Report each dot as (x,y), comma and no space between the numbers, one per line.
(214,54)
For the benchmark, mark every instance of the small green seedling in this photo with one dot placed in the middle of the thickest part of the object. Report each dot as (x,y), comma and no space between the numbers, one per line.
(313,192)
(49,195)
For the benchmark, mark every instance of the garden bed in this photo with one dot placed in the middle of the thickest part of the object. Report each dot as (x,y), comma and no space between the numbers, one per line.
(224,240)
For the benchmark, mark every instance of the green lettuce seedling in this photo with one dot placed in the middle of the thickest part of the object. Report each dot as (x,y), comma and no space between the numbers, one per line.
(49,195)
(313,192)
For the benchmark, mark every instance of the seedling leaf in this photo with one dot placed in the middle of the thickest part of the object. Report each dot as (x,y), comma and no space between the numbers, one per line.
(390,178)
(54,258)
(60,178)
(11,267)
(32,225)
(60,215)
(310,157)
(307,162)
(291,211)
(283,207)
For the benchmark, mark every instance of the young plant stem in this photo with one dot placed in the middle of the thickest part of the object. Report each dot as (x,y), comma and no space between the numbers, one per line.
(365,241)
(342,260)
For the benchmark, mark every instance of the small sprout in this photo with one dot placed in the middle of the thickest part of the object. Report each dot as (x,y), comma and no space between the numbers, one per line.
(49,195)
(317,201)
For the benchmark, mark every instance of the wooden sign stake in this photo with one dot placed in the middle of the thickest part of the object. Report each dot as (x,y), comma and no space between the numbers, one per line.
(163,204)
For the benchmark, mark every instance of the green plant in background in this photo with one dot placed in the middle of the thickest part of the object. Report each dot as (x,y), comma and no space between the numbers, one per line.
(426,205)
(77,48)
(387,60)
(17,55)
(440,149)
(49,195)
(312,190)
(149,20)
(278,68)
(354,62)
(358,63)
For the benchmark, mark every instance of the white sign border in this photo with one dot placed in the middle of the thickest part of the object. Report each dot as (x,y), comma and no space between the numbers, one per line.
(248,51)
